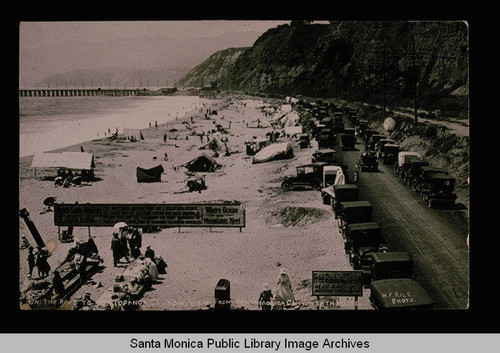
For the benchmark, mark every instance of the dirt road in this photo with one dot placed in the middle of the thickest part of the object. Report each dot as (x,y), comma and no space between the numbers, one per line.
(436,238)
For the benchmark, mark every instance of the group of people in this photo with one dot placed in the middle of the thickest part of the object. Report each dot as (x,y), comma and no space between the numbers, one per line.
(38,260)
(126,243)
(282,298)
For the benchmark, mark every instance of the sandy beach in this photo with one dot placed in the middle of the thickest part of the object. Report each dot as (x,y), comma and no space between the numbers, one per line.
(283,229)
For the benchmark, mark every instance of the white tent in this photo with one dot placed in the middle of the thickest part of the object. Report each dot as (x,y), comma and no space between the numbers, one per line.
(68,160)
(274,151)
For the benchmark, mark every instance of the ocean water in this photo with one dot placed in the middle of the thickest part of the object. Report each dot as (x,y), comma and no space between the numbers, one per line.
(48,123)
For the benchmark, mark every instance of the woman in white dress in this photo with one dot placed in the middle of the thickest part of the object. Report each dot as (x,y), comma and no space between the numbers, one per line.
(285,289)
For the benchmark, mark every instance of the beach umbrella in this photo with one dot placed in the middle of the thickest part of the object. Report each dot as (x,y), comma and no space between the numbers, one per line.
(120,225)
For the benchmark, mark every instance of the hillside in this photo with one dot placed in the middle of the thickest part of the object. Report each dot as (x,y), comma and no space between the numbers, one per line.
(213,69)
(356,60)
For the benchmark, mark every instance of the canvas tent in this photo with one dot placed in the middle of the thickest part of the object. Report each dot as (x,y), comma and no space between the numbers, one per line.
(274,151)
(215,144)
(202,163)
(150,175)
(66,160)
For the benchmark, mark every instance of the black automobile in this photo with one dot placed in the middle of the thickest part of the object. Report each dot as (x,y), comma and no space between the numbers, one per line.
(367,161)
(304,141)
(327,155)
(441,191)
(385,265)
(399,294)
(372,141)
(343,193)
(412,169)
(326,138)
(361,127)
(368,134)
(348,141)
(421,183)
(360,239)
(353,212)
(389,153)
(308,176)
(380,144)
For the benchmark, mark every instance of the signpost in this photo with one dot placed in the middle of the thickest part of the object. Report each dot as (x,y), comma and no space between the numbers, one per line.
(151,215)
(337,283)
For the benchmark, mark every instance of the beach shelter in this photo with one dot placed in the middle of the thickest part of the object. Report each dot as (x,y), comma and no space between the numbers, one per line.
(215,144)
(202,163)
(274,151)
(67,160)
(150,175)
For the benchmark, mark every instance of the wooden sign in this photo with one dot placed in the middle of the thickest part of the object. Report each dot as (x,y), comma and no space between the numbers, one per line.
(338,283)
(151,215)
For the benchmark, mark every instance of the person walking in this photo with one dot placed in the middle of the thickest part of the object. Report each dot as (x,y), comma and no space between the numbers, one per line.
(285,288)
(31,261)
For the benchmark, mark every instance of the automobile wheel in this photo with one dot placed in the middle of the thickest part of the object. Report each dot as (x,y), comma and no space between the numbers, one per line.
(316,184)
(326,200)
(286,186)
(356,177)
(414,185)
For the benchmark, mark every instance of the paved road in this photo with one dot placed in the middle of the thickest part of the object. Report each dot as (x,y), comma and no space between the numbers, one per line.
(436,238)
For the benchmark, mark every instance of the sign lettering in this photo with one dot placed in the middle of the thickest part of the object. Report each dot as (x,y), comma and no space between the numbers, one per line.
(146,215)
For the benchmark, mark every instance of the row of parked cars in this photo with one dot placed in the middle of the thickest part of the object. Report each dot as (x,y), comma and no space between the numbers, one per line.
(433,184)
(389,274)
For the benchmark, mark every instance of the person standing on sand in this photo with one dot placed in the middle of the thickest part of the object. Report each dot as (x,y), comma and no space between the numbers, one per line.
(116,248)
(31,261)
(285,288)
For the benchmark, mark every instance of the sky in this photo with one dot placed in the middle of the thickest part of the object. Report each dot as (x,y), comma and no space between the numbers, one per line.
(33,34)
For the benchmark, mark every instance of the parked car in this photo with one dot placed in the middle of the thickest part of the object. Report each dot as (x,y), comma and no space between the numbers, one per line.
(326,155)
(326,138)
(317,129)
(361,238)
(350,131)
(348,141)
(389,153)
(412,170)
(370,146)
(332,176)
(308,175)
(343,193)
(421,183)
(367,161)
(404,158)
(399,294)
(368,134)
(385,265)
(441,191)
(361,127)
(353,212)
(339,124)
(304,141)
(380,144)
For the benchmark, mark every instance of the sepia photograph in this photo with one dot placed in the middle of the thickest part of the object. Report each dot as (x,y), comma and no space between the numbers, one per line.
(244,165)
